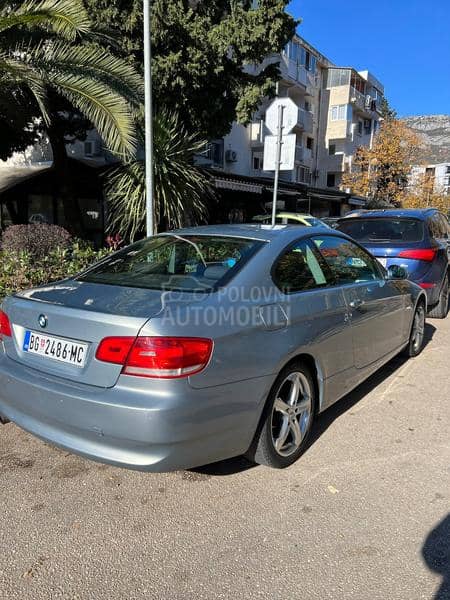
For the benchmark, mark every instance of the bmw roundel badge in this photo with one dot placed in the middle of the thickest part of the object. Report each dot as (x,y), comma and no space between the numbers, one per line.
(42,321)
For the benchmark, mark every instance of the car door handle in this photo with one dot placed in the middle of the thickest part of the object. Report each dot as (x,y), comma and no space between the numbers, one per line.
(356,303)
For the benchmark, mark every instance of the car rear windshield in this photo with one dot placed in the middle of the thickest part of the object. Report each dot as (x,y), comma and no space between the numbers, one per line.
(379,230)
(174,262)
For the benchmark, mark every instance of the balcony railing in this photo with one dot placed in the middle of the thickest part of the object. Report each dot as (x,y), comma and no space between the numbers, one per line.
(293,70)
(305,120)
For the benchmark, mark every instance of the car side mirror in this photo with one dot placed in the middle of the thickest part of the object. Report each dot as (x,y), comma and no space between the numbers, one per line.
(397,272)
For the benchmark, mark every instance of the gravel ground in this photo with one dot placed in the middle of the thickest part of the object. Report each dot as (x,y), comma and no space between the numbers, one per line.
(365,513)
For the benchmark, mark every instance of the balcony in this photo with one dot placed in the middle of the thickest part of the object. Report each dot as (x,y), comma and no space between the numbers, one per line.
(363,103)
(305,121)
(303,155)
(292,70)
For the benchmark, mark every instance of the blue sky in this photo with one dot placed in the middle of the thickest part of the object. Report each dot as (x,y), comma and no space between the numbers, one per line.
(404,43)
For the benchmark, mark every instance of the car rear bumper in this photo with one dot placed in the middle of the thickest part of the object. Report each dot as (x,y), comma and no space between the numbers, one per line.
(167,428)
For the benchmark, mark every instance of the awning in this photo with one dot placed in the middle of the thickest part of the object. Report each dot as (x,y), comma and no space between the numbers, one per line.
(11,176)
(238,186)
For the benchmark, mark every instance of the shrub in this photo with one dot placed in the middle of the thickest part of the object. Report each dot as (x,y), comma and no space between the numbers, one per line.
(38,239)
(20,270)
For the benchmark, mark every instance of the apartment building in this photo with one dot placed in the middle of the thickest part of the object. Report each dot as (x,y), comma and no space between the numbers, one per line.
(439,172)
(350,109)
(339,110)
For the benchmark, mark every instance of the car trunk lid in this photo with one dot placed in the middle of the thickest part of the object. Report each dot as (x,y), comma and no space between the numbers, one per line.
(78,312)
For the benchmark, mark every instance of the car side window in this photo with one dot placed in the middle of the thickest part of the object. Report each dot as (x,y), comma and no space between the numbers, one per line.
(436,226)
(445,226)
(299,269)
(348,262)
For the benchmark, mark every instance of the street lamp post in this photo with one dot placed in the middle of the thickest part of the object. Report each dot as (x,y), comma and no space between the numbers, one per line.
(149,197)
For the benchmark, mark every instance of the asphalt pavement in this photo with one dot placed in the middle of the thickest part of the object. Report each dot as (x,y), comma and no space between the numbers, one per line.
(364,514)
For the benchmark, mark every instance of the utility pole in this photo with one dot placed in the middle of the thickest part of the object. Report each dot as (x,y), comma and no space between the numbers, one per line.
(149,196)
(277,163)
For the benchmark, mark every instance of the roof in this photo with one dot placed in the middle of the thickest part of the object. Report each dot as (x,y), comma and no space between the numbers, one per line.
(11,176)
(252,231)
(417,213)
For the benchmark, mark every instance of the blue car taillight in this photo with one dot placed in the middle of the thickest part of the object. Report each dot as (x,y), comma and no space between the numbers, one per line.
(425,254)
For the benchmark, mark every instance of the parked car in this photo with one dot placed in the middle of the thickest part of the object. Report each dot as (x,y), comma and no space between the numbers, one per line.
(331,221)
(203,344)
(290,218)
(417,240)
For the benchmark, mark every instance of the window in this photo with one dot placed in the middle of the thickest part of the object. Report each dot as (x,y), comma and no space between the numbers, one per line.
(257,161)
(166,262)
(339,112)
(308,108)
(303,175)
(438,226)
(378,229)
(338,77)
(332,149)
(360,127)
(215,152)
(331,180)
(310,143)
(347,262)
(375,126)
(367,126)
(299,269)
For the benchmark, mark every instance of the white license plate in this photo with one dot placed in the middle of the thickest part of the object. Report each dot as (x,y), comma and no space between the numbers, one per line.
(63,350)
(382,261)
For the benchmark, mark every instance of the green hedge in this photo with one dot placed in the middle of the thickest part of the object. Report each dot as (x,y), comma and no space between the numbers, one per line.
(20,270)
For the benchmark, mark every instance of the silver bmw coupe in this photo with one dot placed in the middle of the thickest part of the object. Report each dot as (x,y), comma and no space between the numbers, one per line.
(203,344)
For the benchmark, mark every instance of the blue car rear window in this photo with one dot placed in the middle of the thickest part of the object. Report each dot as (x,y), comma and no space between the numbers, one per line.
(383,230)
(188,263)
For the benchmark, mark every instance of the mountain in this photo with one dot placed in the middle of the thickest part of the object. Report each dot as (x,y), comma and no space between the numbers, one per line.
(435,129)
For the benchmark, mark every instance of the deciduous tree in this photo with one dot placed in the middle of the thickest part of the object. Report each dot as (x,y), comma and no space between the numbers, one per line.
(381,173)
(423,192)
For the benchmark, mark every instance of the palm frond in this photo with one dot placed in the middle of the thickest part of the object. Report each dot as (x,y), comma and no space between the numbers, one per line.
(94,63)
(66,18)
(180,190)
(15,72)
(107,110)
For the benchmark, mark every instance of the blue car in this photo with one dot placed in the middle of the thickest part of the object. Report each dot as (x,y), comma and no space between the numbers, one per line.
(417,240)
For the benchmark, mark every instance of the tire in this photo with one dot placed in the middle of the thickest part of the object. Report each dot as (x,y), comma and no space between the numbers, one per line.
(287,419)
(441,309)
(416,338)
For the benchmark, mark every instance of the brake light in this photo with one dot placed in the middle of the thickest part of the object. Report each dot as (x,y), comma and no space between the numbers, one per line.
(5,325)
(425,254)
(114,349)
(159,357)
(427,286)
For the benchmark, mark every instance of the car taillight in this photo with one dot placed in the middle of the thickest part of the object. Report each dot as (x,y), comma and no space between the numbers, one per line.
(160,357)
(426,254)
(427,286)
(114,349)
(5,325)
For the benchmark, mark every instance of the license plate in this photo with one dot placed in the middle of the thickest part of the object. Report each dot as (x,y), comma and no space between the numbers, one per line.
(63,350)
(382,261)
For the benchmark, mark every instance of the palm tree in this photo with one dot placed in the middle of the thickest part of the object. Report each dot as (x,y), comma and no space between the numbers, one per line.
(52,50)
(180,188)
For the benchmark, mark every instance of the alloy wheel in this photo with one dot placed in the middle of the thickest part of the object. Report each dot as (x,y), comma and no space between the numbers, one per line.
(418,331)
(291,415)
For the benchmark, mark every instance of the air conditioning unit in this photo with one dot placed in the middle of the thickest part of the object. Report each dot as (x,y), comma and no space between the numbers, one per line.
(369,101)
(231,156)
